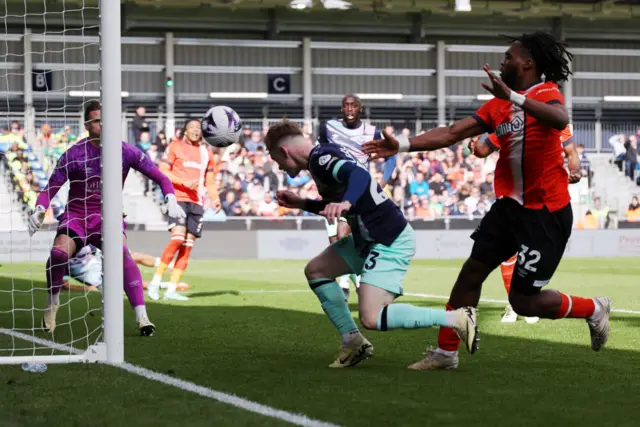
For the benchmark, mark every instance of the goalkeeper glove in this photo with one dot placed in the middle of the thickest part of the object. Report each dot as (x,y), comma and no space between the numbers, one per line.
(173,208)
(36,219)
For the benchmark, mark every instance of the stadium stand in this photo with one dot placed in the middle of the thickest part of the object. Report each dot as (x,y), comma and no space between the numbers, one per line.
(445,183)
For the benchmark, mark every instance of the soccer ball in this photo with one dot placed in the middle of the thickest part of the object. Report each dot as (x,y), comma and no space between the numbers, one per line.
(221,126)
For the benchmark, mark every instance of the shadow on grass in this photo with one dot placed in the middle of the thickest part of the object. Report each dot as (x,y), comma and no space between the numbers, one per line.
(280,358)
(211,294)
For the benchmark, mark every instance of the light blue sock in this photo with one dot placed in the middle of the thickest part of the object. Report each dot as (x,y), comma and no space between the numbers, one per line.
(407,316)
(333,304)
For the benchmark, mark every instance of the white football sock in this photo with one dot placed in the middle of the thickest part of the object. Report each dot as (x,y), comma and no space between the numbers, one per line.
(141,311)
(171,287)
(451,317)
(445,352)
(596,311)
(155,282)
(346,338)
(54,299)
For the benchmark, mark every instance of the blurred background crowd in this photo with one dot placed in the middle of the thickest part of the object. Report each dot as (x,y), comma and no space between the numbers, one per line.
(446,183)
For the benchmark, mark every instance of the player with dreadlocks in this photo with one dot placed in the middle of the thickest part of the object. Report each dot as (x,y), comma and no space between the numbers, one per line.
(534,217)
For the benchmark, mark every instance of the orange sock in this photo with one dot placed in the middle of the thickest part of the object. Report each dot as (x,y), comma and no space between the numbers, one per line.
(506,268)
(575,307)
(447,338)
(169,252)
(182,261)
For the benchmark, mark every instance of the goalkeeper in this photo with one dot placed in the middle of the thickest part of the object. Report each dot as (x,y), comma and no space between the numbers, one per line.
(81,223)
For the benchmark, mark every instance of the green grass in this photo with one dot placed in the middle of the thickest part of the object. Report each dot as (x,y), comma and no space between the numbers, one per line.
(274,348)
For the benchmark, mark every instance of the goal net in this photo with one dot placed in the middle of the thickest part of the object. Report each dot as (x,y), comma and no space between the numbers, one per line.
(50,68)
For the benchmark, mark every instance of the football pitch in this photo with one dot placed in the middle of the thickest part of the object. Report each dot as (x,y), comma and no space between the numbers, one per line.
(253,346)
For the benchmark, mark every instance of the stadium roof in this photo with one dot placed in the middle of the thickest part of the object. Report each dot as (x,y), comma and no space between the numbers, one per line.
(585,9)
(588,9)
(384,20)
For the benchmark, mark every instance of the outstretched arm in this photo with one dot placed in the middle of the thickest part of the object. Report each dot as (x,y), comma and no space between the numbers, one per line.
(445,136)
(432,140)
(165,168)
(56,181)
(145,166)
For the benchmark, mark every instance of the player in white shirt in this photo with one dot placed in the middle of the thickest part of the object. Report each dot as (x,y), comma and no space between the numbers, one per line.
(350,133)
(86,268)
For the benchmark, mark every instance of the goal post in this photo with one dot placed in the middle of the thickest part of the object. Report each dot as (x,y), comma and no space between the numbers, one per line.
(112,239)
(91,325)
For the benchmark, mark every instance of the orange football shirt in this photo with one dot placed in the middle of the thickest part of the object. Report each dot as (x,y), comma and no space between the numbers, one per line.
(189,163)
(530,168)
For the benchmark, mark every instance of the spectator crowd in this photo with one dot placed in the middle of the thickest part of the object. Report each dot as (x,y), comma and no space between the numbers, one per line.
(447,182)
(450,182)
(626,154)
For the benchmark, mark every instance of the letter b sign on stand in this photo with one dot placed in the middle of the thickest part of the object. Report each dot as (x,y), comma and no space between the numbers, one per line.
(41,80)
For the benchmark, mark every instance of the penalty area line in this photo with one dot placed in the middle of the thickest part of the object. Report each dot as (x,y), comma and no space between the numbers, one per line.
(226,398)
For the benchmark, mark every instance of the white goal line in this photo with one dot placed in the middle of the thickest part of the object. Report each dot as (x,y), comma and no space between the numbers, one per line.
(229,399)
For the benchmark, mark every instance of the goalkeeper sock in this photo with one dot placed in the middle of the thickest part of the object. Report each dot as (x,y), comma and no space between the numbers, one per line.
(132,280)
(57,266)
(141,311)
(407,316)
(333,303)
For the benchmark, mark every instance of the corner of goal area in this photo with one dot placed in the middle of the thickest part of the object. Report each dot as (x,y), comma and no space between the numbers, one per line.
(96,353)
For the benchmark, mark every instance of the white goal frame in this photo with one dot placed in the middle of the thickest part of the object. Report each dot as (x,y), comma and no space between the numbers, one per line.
(111,349)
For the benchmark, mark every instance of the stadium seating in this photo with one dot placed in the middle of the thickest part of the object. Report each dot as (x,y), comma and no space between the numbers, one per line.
(445,183)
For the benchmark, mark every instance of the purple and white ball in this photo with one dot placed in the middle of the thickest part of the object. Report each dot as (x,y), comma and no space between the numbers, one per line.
(221,126)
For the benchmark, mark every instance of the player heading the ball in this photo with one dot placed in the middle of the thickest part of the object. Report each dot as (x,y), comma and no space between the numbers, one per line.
(380,247)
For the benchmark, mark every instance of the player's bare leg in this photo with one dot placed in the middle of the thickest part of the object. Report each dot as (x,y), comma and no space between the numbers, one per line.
(178,237)
(552,304)
(182,262)
(57,265)
(321,272)
(149,260)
